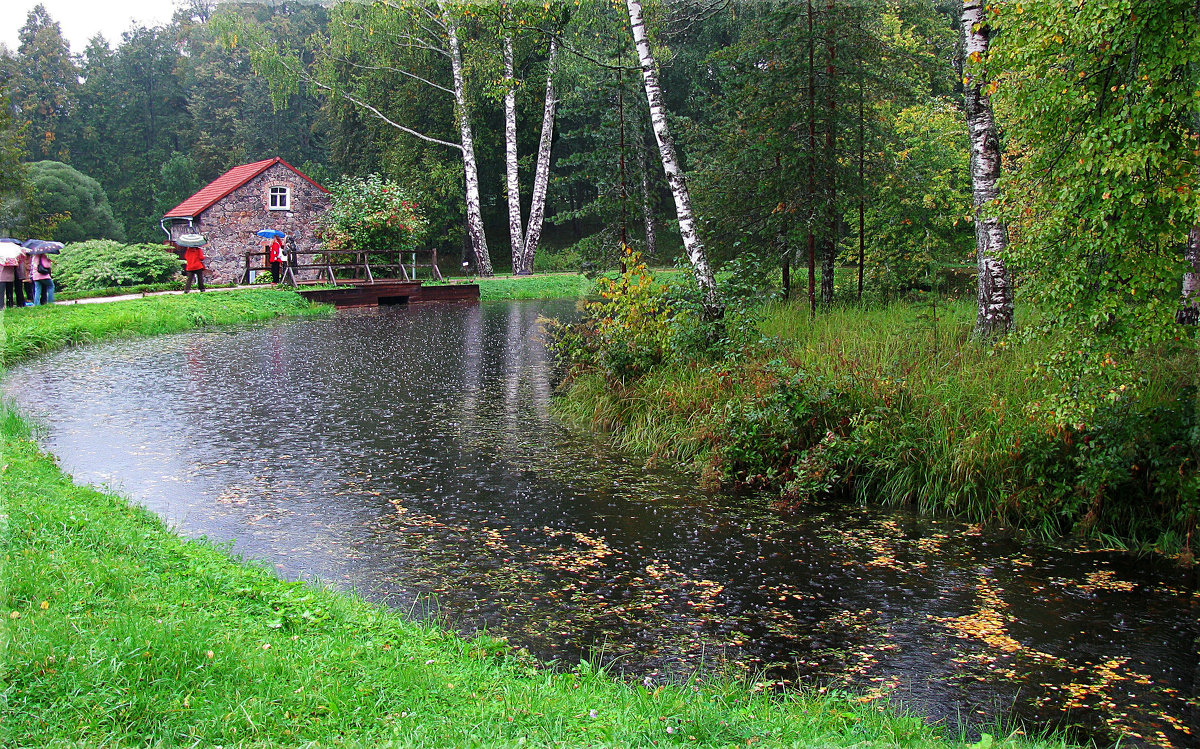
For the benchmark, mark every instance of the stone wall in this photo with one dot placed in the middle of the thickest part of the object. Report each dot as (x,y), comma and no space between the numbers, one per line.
(230,224)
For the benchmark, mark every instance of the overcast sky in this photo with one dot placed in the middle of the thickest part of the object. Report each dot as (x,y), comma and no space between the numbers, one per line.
(83,19)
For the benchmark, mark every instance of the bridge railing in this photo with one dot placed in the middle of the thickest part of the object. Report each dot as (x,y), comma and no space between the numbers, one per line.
(328,262)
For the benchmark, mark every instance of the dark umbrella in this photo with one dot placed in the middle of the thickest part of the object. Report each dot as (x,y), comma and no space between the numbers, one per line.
(42,247)
(270,234)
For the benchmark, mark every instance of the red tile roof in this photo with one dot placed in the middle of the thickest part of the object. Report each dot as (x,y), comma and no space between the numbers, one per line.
(227,183)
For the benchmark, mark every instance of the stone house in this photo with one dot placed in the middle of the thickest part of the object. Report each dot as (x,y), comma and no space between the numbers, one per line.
(268,194)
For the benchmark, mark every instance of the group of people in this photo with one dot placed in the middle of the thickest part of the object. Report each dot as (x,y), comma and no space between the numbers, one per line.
(193,258)
(27,281)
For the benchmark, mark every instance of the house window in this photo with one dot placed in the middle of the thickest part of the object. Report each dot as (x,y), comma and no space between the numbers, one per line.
(279,198)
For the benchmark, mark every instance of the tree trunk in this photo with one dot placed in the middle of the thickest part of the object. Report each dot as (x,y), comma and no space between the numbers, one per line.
(862,158)
(995,307)
(785,260)
(470,169)
(541,173)
(1189,312)
(647,202)
(812,164)
(512,183)
(829,255)
(692,244)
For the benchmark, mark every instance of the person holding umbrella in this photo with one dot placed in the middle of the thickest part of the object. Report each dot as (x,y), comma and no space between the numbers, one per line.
(274,248)
(22,285)
(40,269)
(10,255)
(193,258)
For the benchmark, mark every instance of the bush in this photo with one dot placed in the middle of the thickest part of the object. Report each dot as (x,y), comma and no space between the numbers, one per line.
(625,334)
(371,214)
(557,261)
(63,192)
(104,263)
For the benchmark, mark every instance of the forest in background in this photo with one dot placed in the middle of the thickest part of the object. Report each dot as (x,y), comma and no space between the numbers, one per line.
(157,114)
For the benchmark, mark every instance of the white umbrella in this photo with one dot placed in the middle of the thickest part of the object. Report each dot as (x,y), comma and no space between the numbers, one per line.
(10,252)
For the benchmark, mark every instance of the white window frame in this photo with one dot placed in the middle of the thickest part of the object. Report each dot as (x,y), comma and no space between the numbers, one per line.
(287,198)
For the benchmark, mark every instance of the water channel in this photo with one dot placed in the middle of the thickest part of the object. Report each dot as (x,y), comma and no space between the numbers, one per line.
(411,454)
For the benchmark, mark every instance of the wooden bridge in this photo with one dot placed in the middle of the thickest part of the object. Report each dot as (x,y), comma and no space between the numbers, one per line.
(389,291)
(364,288)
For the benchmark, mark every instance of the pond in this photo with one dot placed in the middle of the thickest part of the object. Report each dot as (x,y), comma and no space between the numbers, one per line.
(411,454)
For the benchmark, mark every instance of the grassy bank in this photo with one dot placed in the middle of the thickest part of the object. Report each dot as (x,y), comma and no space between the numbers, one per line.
(27,331)
(897,404)
(115,631)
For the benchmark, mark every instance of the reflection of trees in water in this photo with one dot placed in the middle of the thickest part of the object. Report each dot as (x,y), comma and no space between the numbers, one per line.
(506,381)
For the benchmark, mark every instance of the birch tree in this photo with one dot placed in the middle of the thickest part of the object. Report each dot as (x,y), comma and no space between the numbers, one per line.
(994,314)
(541,173)
(1189,312)
(525,242)
(475,229)
(692,244)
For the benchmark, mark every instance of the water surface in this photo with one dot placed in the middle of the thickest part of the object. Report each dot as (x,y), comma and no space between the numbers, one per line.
(411,455)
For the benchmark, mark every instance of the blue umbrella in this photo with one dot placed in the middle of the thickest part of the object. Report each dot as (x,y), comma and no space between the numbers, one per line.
(42,246)
(270,234)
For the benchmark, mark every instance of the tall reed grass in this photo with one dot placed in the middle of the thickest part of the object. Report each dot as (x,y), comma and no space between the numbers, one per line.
(900,405)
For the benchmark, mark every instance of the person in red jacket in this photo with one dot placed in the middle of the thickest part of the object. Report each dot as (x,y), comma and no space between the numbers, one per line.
(194,257)
(275,259)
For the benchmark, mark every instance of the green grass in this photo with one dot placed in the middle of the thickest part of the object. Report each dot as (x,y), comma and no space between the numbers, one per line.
(144,288)
(543,286)
(27,331)
(115,631)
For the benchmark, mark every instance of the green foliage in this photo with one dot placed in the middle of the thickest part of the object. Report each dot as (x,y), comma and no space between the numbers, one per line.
(14,183)
(626,333)
(549,260)
(1100,106)
(371,214)
(44,87)
(102,263)
(916,219)
(61,190)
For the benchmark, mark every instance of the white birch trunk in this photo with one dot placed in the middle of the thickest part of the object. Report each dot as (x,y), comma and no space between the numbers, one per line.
(541,174)
(512,183)
(470,169)
(692,244)
(1189,312)
(995,306)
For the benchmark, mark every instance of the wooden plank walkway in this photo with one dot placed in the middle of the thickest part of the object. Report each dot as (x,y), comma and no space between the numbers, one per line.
(390,291)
